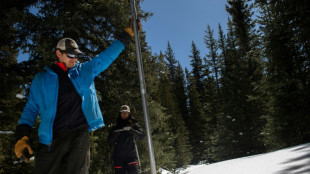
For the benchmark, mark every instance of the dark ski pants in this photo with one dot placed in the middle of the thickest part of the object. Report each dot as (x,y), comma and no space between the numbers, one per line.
(126,167)
(68,154)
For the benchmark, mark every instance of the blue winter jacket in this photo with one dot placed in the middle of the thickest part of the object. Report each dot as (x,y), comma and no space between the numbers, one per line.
(43,95)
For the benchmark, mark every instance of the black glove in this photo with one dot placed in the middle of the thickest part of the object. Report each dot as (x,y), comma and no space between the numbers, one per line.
(125,38)
(22,130)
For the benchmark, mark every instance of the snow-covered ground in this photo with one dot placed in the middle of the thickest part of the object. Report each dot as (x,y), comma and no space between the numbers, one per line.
(294,160)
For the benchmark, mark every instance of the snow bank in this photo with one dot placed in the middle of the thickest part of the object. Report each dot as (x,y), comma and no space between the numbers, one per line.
(6,132)
(20,96)
(294,160)
(163,171)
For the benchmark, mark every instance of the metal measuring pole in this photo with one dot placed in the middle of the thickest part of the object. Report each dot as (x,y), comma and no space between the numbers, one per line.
(143,88)
(137,152)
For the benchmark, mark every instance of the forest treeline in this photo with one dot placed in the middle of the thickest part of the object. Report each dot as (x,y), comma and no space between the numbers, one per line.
(249,94)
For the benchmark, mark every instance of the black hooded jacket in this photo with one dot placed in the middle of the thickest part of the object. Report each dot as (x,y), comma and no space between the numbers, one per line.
(123,141)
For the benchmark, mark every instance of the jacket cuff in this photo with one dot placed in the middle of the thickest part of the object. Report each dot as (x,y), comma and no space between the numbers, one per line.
(125,38)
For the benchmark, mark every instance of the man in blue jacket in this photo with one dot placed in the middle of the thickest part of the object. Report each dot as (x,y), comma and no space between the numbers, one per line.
(64,97)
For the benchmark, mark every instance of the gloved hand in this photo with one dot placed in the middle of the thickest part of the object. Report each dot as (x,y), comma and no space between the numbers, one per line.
(129,29)
(23,150)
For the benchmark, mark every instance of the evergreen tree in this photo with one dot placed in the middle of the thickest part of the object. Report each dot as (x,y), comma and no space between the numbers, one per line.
(195,122)
(241,71)
(163,138)
(165,90)
(168,94)
(12,89)
(286,29)
(213,101)
(171,63)
(180,92)
(222,47)
(212,57)
(183,151)
(196,63)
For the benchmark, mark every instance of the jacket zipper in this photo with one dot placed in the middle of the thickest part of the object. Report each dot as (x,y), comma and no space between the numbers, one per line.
(75,86)
(71,101)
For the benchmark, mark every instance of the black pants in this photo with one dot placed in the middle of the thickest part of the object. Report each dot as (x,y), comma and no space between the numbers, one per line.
(68,154)
(129,166)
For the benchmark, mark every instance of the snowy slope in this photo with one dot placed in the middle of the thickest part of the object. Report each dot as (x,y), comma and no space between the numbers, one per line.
(294,160)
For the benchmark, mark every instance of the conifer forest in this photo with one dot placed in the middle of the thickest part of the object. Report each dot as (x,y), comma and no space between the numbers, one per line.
(249,94)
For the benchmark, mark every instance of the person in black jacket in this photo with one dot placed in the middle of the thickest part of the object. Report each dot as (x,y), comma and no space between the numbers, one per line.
(122,136)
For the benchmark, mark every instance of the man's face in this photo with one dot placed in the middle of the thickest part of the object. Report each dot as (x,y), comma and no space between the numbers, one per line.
(69,62)
(124,115)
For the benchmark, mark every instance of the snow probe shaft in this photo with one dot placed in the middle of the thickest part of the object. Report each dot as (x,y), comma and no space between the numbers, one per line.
(137,152)
(143,88)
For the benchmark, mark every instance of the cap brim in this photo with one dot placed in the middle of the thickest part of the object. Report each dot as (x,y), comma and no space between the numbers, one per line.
(74,51)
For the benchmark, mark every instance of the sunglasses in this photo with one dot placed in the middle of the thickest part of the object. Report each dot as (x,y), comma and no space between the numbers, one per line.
(71,56)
